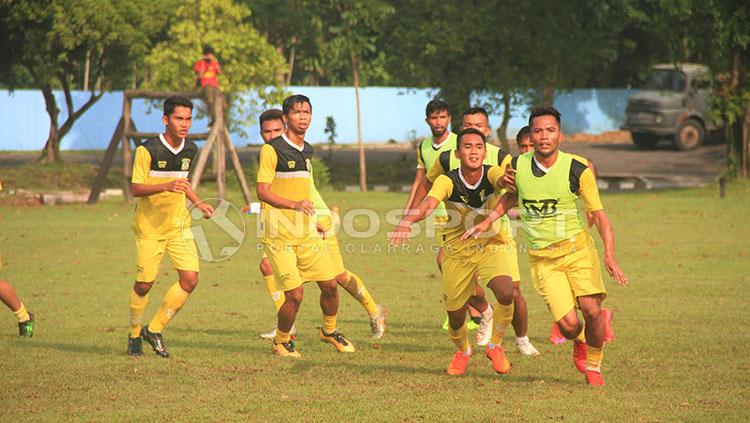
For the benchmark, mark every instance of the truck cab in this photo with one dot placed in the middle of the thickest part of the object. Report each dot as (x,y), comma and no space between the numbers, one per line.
(673,103)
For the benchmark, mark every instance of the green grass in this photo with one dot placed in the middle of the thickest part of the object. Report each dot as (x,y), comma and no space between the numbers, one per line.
(680,352)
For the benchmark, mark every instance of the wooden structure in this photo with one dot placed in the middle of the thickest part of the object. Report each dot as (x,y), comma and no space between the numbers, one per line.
(217,138)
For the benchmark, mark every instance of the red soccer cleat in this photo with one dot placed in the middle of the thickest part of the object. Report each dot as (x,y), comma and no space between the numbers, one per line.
(594,378)
(609,331)
(500,363)
(459,363)
(555,337)
(579,355)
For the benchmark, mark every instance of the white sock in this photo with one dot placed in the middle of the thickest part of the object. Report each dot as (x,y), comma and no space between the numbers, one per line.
(522,339)
(487,314)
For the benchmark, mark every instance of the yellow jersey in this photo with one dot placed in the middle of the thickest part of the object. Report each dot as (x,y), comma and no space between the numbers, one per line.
(288,168)
(164,214)
(468,205)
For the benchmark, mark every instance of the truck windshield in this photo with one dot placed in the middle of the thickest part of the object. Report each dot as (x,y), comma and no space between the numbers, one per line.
(665,80)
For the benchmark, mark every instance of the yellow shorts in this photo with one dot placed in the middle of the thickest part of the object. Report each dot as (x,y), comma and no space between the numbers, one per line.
(440,222)
(560,280)
(459,270)
(331,242)
(295,264)
(182,251)
(512,251)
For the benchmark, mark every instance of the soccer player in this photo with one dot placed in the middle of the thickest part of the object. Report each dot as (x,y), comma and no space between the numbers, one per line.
(523,139)
(272,126)
(468,191)
(564,262)
(160,181)
(25,318)
(288,229)
(438,118)
(477,118)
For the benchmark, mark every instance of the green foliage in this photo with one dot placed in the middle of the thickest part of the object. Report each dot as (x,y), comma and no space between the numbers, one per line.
(248,62)
(330,129)
(322,175)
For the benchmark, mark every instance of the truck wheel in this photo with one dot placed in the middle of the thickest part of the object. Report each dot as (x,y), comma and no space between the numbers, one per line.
(645,141)
(690,134)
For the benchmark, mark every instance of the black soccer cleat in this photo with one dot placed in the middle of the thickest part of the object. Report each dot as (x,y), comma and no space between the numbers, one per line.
(26,328)
(156,341)
(135,348)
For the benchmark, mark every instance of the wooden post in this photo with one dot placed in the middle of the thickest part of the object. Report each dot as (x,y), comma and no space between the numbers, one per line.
(114,142)
(221,164)
(127,160)
(200,166)
(237,166)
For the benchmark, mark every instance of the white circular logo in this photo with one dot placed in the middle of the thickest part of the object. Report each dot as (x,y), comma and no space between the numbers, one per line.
(218,237)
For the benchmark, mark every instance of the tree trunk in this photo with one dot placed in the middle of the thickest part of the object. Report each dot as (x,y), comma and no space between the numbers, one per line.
(502,131)
(360,145)
(291,62)
(745,160)
(51,151)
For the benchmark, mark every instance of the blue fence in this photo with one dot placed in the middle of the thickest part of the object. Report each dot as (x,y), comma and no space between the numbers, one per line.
(387,113)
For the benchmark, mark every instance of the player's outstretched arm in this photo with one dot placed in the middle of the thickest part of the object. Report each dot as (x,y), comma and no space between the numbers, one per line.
(507,201)
(402,232)
(265,195)
(411,202)
(604,227)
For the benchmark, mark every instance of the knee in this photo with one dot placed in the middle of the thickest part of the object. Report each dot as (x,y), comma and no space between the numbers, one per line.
(591,312)
(569,327)
(189,281)
(503,289)
(328,287)
(142,288)
(265,267)
(293,298)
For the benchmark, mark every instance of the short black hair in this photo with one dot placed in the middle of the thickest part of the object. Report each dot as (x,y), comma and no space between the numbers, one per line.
(524,132)
(208,49)
(271,114)
(477,111)
(176,100)
(544,111)
(436,105)
(469,131)
(292,100)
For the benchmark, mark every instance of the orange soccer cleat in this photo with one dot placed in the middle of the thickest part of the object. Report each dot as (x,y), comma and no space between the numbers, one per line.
(579,355)
(594,378)
(459,363)
(500,363)
(555,337)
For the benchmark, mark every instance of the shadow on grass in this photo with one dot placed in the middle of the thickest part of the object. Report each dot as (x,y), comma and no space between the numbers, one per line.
(76,348)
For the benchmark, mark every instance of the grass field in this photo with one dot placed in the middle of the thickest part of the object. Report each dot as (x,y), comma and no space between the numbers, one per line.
(679,355)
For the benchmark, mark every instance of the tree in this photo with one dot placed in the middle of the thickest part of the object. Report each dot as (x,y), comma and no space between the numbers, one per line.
(50,44)
(248,61)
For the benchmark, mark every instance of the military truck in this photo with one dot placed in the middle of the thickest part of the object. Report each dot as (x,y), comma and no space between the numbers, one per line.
(673,103)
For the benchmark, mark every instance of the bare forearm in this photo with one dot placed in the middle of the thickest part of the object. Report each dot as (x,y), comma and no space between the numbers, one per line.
(424,210)
(507,201)
(604,227)
(265,195)
(143,190)
(411,203)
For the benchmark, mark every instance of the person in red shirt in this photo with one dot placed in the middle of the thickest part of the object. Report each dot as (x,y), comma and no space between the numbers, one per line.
(207,69)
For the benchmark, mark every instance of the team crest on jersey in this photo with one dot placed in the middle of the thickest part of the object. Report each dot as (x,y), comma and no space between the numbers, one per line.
(161,164)
(292,164)
(185,164)
(308,164)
